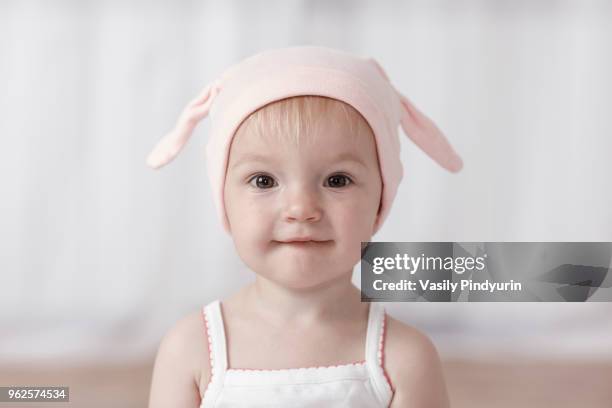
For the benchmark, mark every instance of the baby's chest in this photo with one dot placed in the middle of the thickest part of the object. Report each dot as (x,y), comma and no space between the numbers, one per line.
(287,349)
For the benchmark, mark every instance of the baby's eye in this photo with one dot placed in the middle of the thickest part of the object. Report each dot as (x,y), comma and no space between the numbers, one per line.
(262,181)
(339,180)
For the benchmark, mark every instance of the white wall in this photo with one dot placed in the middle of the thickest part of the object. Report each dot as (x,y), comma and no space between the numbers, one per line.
(99,254)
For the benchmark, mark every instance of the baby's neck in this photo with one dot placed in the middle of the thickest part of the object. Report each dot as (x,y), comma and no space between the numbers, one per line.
(283,307)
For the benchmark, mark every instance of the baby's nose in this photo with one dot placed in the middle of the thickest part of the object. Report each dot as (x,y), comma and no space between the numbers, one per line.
(302,204)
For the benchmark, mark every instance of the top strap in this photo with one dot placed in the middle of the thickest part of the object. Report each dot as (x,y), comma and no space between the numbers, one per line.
(375,350)
(216,344)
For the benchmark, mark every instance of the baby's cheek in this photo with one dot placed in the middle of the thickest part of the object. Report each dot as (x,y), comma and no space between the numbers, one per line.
(358,209)
(250,247)
(243,208)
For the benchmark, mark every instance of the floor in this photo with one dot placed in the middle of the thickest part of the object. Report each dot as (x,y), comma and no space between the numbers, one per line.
(470,384)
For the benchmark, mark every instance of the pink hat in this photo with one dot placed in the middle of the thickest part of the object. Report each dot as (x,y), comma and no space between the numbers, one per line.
(306,70)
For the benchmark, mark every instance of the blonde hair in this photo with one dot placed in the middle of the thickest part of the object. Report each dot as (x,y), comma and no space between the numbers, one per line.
(292,118)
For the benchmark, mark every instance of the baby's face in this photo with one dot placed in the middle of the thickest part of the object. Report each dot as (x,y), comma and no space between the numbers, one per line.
(326,188)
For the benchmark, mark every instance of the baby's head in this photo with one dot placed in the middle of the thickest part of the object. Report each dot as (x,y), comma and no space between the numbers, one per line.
(324,125)
(304,167)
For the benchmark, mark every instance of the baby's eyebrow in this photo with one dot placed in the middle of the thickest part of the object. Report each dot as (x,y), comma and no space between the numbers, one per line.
(254,157)
(348,156)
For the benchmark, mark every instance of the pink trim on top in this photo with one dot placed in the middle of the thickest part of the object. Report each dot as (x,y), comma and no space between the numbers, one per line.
(210,353)
(382,352)
(362,362)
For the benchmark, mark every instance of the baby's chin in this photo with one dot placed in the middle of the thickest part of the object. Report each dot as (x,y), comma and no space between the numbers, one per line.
(296,278)
(299,265)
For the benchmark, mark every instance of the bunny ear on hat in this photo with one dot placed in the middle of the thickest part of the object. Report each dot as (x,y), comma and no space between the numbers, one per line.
(426,135)
(171,144)
(423,131)
(418,127)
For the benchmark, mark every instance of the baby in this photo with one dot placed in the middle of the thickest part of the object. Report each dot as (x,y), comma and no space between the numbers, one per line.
(304,162)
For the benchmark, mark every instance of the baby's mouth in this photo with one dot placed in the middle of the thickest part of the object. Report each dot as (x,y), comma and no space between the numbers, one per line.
(304,244)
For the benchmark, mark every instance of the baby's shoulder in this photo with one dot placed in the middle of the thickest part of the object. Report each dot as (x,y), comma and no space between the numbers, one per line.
(405,341)
(187,340)
(412,363)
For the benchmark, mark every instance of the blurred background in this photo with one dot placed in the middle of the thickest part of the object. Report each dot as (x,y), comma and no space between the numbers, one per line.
(100,255)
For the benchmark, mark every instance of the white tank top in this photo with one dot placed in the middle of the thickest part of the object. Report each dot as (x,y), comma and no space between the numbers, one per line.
(357,385)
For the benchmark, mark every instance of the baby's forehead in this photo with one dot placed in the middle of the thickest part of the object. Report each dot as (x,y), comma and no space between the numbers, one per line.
(306,123)
(305,155)
(326,131)
(323,142)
